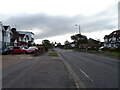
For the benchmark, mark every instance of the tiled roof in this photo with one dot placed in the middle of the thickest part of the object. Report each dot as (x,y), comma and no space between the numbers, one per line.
(114,33)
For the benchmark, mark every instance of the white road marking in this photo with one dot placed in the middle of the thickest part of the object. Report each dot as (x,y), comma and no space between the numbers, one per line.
(78,82)
(85,74)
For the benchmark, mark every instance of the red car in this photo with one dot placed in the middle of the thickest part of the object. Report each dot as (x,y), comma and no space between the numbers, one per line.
(18,50)
(32,49)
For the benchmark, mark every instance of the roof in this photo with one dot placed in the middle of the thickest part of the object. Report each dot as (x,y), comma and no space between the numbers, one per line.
(21,32)
(114,33)
(6,27)
(22,35)
(14,31)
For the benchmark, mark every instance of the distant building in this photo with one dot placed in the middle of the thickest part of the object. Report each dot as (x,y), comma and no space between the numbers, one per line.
(72,44)
(112,40)
(23,40)
(26,37)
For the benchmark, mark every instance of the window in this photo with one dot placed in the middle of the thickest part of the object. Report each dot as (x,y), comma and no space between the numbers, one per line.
(114,38)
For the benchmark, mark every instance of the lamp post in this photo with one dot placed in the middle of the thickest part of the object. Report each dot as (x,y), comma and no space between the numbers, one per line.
(79,28)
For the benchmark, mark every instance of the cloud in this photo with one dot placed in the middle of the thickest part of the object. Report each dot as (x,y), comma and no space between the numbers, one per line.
(44,25)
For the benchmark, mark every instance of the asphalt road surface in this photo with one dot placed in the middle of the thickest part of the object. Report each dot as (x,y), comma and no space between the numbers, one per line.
(37,72)
(94,71)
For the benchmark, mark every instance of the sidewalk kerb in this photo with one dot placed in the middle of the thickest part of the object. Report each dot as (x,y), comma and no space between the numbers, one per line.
(75,78)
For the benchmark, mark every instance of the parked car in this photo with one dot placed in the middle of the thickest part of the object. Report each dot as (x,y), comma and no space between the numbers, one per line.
(7,50)
(101,48)
(32,49)
(18,50)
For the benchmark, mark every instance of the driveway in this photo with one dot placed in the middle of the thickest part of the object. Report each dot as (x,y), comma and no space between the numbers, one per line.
(8,60)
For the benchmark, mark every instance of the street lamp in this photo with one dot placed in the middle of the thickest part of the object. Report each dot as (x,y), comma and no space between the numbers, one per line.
(79,28)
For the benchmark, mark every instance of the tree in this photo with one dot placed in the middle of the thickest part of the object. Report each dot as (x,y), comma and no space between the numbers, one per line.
(46,43)
(59,45)
(67,44)
(52,44)
(80,40)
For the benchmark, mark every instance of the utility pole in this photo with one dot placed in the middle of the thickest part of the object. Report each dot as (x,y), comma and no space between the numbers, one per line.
(79,28)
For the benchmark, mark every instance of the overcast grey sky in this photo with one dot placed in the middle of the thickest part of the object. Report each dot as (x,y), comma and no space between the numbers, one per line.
(56,19)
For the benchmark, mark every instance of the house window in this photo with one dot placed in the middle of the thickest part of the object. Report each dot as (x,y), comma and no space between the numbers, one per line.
(7,35)
(114,38)
(112,45)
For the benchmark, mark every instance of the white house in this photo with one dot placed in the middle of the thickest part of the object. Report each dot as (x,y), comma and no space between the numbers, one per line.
(27,37)
(112,40)
(23,39)
(7,35)
(1,30)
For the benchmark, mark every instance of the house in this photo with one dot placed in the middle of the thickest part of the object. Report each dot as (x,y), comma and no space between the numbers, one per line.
(72,44)
(112,40)
(1,31)
(23,40)
(28,37)
(93,44)
(6,36)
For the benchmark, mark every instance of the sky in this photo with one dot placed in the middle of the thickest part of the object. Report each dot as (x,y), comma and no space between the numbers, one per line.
(55,20)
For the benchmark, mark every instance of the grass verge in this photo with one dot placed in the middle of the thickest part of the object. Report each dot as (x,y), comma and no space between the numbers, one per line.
(53,54)
(113,54)
(103,53)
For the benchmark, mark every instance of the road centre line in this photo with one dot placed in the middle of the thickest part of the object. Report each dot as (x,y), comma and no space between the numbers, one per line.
(85,74)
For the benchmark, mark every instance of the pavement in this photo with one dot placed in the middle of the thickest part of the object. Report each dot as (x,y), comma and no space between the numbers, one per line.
(36,72)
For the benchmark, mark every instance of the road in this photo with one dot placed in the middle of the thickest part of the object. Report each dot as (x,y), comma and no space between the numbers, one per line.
(94,71)
(37,72)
